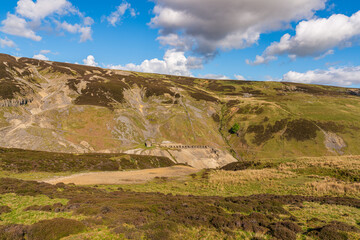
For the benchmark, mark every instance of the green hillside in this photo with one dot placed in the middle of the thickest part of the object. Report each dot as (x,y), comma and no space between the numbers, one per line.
(73,108)
(234,159)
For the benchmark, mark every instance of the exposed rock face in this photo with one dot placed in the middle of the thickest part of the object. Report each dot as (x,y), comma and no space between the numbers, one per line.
(354,92)
(197,157)
(334,143)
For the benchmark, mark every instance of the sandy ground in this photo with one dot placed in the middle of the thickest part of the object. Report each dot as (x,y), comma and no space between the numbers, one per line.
(124,177)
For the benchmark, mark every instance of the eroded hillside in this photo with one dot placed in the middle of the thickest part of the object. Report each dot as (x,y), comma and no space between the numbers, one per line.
(65,107)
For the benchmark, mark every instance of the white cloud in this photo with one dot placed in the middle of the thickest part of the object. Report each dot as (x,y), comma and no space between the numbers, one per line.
(174,63)
(316,37)
(7,43)
(239,77)
(221,77)
(45,51)
(29,16)
(261,60)
(88,21)
(115,17)
(228,24)
(72,28)
(41,57)
(175,41)
(342,76)
(90,61)
(329,52)
(43,8)
(214,76)
(85,31)
(86,34)
(17,26)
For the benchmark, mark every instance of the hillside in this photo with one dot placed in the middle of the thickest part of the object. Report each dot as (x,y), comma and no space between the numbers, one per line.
(91,153)
(61,107)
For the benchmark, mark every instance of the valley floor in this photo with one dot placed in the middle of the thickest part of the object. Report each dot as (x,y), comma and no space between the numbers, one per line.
(124,177)
(294,198)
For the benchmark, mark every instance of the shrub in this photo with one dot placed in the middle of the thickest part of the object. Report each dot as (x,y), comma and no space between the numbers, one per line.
(4,209)
(12,232)
(54,229)
(235,128)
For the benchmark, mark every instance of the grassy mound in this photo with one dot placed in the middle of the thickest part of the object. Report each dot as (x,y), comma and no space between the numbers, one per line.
(17,160)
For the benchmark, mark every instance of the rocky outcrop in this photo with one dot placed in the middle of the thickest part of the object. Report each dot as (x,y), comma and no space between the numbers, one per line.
(334,143)
(199,157)
(15,102)
(354,92)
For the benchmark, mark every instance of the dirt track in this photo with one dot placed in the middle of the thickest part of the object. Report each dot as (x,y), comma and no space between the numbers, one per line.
(124,177)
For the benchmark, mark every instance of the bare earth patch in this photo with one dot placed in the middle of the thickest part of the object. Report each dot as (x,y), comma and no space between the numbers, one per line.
(124,177)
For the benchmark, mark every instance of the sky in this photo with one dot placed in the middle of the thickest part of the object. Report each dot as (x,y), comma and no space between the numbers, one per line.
(306,41)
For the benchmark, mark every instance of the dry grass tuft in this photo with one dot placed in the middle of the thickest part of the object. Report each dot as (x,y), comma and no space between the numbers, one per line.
(238,177)
(334,187)
(338,162)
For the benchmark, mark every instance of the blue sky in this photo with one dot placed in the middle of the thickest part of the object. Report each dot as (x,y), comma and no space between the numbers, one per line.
(309,41)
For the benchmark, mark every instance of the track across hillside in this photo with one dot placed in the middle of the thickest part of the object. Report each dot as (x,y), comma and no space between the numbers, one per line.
(124,177)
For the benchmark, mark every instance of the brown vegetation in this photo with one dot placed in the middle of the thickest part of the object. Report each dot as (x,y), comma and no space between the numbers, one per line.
(16,160)
(145,211)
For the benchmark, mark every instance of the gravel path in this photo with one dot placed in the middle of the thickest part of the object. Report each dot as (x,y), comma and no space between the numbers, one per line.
(124,177)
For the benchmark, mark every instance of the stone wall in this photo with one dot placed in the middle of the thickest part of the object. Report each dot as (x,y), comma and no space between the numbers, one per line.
(15,102)
(178,146)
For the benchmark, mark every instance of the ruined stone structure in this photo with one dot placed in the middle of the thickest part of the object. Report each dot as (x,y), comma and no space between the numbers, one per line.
(184,146)
(178,146)
(148,143)
(15,102)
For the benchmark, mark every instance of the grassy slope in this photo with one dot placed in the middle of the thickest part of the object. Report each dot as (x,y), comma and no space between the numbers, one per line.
(193,111)
(25,161)
(292,198)
(296,197)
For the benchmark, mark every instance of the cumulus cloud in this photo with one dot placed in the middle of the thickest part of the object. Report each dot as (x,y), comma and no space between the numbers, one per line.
(41,57)
(17,26)
(175,41)
(228,24)
(174,63)
(72,28)
(45,51)
(90,61)
(328,52)
(315,37)
(43,8)
(85,31)
(88,21)
(214,76)
(7,43)
(116,16)
(221,77)
(342,76)
(260,60)
(29,15)
(86,34)
(239,77)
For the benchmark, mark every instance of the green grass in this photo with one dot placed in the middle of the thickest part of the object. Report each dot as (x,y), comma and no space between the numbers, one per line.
(96,234)
(19,203)
(326,213)
(34,175)
(202,187)
(284,176)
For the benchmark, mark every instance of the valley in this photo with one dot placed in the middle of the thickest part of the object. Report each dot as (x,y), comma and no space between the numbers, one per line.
(126,155)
